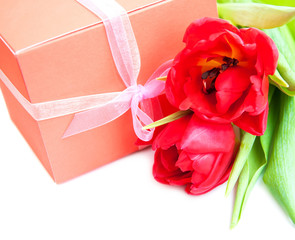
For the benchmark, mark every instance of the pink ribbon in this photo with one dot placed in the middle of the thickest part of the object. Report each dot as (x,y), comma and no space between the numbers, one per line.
(96,110)
(126,56)
(128,99)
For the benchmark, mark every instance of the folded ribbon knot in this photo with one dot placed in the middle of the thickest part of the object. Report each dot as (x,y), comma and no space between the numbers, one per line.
(127,60)
(140,92)
(130,98)
(140,117)
(96,110)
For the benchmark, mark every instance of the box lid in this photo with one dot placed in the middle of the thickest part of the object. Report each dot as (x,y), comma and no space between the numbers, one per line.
(26,23)
(59,49)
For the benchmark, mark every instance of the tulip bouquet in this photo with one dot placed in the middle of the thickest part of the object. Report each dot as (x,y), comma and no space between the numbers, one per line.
(233,86)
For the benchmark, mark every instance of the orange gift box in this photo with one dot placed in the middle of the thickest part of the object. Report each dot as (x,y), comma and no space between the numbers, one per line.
(53,50)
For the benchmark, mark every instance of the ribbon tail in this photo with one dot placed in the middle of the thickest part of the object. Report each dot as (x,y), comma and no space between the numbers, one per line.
(97,117)
(141,119)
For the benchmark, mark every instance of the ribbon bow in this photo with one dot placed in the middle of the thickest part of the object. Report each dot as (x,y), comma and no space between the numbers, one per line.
(130,98)
(127,59)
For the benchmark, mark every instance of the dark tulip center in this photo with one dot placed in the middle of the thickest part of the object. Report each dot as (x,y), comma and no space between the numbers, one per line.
(209,77)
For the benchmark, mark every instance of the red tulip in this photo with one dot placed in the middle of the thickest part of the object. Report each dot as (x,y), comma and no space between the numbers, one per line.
(222,72)
(195,153)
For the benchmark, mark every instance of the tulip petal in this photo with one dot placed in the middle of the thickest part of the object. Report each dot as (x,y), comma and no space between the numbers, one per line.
(225,99)
(168,158)
(255,125)
(173,82)
(184,162)
(207,137)
(218,175)
(180,180)
(221,165)
(168,174)
(172,133)
(257,15)
(234,79)
(203,28)
(230,86)
(203,163)
(200,102)
(159,171)
(267,53)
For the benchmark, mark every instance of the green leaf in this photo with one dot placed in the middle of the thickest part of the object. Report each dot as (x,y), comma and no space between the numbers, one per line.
(257,15)
(287,91)
(280,171)
(267,138)
(286,46)
(167,119)
(251,171)
(289,3)
(225,1)
(277,79)
(291,27)
(286,72)
(245,148)
(233,1)
(256,161)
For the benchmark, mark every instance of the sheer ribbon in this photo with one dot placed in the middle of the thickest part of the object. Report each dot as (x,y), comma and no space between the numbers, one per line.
(96,110)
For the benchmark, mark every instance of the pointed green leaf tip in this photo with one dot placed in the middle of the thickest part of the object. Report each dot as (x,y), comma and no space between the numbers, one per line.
(257,15)
(280,171)
(167,119)
(277,79)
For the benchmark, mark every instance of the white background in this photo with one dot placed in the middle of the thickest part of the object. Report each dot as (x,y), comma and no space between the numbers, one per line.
(119,201)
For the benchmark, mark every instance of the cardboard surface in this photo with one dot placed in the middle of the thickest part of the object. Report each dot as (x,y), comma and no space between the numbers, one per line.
(30,22)
(46,64)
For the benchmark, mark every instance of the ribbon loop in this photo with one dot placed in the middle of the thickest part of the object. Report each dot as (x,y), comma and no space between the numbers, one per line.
(130,98)
(96,110)
(126,56)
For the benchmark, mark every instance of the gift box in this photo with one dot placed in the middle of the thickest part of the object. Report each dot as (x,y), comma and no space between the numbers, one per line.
(53,50)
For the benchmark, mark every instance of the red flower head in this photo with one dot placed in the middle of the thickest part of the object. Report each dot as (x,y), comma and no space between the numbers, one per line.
(195,153)
(222,72)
